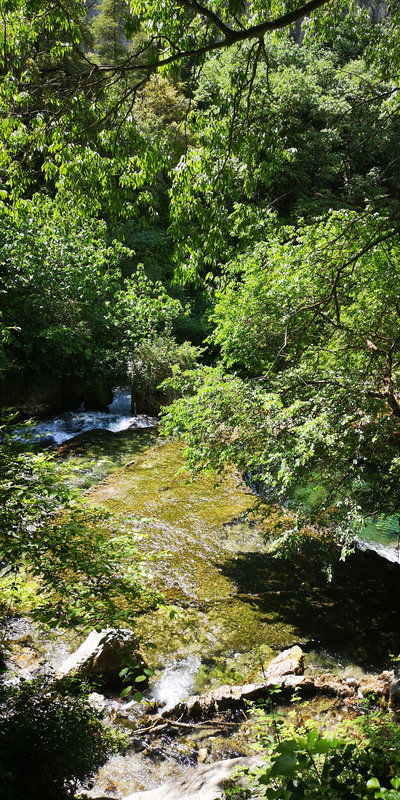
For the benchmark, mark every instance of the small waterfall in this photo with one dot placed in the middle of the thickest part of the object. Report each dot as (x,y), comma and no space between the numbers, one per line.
(59,429)
(176,682)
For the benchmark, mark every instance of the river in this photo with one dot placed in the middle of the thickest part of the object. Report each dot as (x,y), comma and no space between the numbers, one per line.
(236,605)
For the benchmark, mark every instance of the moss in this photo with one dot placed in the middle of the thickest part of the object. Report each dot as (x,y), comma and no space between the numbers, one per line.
(209,559)
(193,528)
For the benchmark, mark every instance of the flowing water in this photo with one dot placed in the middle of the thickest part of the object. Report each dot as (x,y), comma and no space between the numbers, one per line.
(231,606)
(383,536)
(66,426)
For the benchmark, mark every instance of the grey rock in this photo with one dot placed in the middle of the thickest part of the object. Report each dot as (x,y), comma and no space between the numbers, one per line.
(394,695)
(102,656)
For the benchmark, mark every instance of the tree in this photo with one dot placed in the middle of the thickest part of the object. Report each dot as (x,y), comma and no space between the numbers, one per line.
(66,308)
(308,140)
(306,400)
(108,29)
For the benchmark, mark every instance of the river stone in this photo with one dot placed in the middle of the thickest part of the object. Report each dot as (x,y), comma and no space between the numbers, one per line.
(376,684)
(206,783)
(102,656)
(289,662)
(230,697)
(394,694)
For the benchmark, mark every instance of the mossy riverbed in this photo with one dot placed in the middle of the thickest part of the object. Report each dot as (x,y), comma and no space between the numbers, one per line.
(234,605)
(237,605)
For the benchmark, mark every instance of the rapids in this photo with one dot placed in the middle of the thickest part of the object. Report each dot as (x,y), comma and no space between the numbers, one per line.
(66,426)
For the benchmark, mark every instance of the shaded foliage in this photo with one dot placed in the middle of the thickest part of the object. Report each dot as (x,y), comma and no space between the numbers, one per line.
(51,740)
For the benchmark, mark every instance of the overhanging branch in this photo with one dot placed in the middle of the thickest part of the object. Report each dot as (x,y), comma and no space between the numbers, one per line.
(230,36)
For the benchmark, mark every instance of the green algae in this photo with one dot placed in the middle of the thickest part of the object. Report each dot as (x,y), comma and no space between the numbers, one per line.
(234,605)
(193,527)
(206,542)
(95,454)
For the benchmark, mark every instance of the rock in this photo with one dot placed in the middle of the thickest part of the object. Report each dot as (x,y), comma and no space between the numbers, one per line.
(231,697)
(102,656)
(206,783)
(332,685)
(202,755)
(97,701)
(289,662)
(394,694)
(376,684)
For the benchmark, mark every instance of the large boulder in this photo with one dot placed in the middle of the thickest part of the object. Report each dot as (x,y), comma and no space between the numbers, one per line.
(103,655)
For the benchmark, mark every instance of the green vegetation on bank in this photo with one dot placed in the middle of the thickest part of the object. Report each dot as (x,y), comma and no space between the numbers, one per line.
(359,761)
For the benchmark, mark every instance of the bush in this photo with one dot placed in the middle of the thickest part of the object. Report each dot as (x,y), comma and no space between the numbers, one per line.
(305,765)
(51,740)
(153,360)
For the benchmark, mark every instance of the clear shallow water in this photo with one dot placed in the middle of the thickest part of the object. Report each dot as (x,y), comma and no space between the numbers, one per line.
(237,606)
(60,429)
(383,536)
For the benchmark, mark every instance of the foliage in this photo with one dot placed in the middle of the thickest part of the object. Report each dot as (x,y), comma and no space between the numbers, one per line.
(51,739)
(154,360)
(58,279)
(144,311)
(309,321)
(306,764)
(108,29)
(66,308)
(87,563)
(306,134)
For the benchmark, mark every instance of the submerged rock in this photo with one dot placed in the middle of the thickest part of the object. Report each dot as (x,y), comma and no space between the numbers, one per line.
(103,655)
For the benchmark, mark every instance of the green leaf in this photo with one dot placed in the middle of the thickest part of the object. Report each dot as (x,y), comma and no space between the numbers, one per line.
(312,737)
(373,783)
(288,746)
(284,765)
(322,746)
(126,691)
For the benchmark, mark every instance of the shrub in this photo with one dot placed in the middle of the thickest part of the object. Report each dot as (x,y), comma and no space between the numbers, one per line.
(51,740)
(305,765)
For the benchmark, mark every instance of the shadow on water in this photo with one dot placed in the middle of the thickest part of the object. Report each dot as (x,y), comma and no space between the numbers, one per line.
(357,615)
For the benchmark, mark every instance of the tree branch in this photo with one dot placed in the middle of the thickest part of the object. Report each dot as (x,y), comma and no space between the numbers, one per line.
(230,36)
